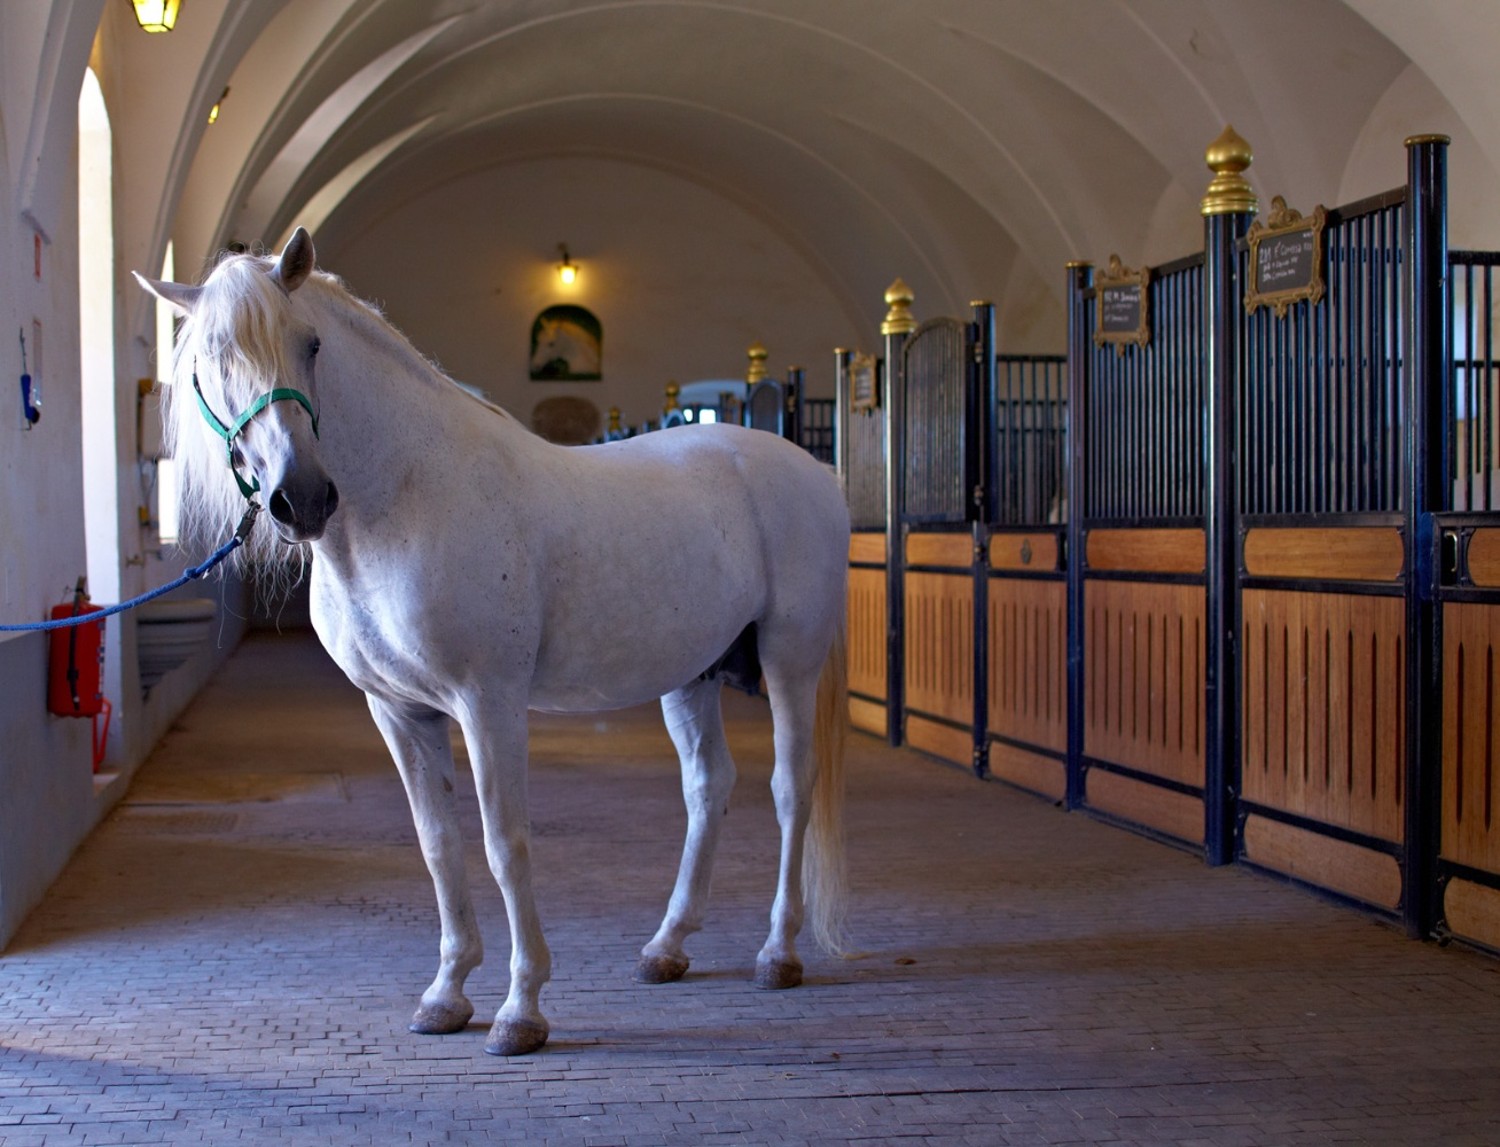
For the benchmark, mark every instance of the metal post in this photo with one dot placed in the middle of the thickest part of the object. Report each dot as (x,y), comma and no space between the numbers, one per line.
(841,359)
(1080,282)
(898,324)
(1228,209)
(981,398)
(1429,360)
(791,405)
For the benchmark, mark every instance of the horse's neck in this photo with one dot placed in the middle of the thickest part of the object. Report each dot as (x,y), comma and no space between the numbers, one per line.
(396,428)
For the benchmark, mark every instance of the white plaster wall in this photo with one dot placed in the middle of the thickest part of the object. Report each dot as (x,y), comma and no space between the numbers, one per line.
(682,279)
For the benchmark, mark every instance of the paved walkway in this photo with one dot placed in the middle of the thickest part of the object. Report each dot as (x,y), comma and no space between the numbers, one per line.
(233,956)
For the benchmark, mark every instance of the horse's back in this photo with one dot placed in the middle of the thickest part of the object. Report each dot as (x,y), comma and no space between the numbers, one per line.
(670,545)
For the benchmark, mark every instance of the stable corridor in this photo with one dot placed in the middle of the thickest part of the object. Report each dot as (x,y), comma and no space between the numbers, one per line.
(234,954)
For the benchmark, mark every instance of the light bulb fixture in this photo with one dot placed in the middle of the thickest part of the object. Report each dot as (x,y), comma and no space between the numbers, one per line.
(567,270)
(213,112)
(156,15)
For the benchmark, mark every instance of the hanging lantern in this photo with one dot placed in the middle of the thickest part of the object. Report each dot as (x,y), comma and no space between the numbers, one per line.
(156,15)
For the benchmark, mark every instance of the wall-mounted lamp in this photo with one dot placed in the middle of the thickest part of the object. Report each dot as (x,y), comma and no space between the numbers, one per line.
(156,15)
(567,270)
(213,112)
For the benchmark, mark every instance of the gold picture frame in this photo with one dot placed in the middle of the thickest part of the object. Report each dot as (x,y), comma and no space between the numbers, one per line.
(1286,259)
(864,383)
(1123,307)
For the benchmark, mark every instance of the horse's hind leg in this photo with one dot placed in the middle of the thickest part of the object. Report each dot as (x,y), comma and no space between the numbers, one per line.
(696,724)
(419,743)
(794,711)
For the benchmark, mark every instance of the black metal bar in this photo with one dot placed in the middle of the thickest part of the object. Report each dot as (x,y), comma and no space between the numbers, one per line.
(981,402)
(1082,460)
(1221,290)
(895,555)
(1427,399)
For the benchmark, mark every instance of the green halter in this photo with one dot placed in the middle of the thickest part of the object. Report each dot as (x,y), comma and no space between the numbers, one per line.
(230,433)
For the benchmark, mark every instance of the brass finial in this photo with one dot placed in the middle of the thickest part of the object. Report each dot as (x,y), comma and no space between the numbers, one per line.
(614,418)
(1230,192)
(756,372)
(898,319)
(673,390)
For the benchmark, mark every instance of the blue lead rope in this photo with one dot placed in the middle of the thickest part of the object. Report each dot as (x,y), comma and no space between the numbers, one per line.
(242,531)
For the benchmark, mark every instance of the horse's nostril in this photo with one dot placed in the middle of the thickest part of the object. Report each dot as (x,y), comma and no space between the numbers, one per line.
(332,502)
(281,508)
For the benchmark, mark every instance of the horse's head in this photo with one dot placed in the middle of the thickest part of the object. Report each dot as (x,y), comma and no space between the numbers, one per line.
(250,358)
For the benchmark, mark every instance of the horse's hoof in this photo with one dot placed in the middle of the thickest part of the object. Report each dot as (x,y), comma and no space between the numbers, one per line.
(441,1019)
(515,1037)
(774,975)
(660,969)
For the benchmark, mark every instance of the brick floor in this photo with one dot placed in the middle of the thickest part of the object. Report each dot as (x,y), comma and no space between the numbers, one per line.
(233,956)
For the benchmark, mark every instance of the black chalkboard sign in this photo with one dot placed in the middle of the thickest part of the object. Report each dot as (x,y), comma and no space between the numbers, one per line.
(1120,309)
(1122,303)
(1286,259)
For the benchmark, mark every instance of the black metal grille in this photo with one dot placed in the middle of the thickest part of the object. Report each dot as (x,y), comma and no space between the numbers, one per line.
(815,431)
(765,407)
(1320,388)
(934,414)
(1029,455)
(864,469)
(1143,418)
(1473,438)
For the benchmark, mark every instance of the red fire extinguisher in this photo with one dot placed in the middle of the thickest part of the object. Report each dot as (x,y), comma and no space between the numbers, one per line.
(75,679)
(75,682)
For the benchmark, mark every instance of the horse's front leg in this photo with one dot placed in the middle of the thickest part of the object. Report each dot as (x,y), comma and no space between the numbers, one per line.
(418,740)
(495,732)
(696,723)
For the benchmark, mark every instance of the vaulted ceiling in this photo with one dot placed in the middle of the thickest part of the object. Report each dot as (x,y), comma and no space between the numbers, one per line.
(972,145)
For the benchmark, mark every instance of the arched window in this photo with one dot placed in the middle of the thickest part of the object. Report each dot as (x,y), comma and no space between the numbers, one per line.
(96,341)
(162,468)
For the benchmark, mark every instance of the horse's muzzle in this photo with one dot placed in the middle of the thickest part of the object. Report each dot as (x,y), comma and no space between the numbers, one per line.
(301,508)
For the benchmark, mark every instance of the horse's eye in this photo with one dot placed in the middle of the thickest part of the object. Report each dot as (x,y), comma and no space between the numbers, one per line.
(315,347)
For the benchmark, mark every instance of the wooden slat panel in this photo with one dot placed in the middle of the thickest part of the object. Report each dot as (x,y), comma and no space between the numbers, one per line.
(1034,552)
(1471,749)
(1484,557)
(1356,554)
(939,550)
(867,626)
(1373,877)
(1324,702)
(867,716)
(865,547)
(1045,775)
(956,745)
(1173,813)
(940,645)
(1472,911)
(1028,686)
(1143,677)
(1146,551)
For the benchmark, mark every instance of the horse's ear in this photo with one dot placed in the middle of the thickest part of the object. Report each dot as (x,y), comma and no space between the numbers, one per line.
(179,295)
(296,262)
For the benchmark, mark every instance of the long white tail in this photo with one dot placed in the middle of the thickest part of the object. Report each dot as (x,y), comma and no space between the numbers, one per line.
(825,877)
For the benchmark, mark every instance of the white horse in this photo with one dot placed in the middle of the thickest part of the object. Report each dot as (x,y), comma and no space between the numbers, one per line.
(564,349)
(473,571)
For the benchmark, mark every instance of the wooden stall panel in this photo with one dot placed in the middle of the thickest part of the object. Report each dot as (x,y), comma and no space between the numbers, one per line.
(1471,709)
(940,646)
(1347,554)
(1374,877)
(1143,677)
(1028,685)
(1146,551)
(1324,701)
(867,649)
